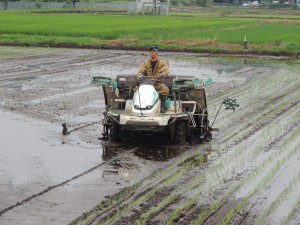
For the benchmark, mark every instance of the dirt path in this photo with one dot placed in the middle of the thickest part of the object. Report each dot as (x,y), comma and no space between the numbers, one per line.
(248,174)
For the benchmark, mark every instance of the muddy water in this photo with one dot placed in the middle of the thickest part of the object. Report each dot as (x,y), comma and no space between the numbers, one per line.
(50,178)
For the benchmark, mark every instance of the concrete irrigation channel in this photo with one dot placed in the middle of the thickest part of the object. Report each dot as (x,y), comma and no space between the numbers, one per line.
(248,174)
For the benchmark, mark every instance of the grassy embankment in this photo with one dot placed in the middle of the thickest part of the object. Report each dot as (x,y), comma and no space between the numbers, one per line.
(188,32)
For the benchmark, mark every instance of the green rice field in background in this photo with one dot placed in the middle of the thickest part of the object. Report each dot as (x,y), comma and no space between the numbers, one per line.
(193,33)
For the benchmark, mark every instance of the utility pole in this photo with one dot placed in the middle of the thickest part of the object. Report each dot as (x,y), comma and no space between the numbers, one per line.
(168,7)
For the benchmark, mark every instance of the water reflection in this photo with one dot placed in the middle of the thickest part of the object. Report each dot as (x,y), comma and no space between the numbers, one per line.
(155,152)
(159,152)
(150,151)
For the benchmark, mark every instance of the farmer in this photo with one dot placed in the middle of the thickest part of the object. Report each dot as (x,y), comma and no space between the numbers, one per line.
(157,68)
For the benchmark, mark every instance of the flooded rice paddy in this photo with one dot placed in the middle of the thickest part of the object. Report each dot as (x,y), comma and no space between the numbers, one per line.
(248,174)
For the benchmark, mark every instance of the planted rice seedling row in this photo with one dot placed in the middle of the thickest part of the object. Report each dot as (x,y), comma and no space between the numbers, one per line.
(243,89)
(279,200)
(140,199)
(263,184)
(202,192)
(292,213)
(148,182)
(268,176)
(255,110)
(254,147)
(263,85)
(251,157)
(144,218)
(244,138)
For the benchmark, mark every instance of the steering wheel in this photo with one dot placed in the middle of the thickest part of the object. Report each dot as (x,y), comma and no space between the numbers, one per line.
(147,79)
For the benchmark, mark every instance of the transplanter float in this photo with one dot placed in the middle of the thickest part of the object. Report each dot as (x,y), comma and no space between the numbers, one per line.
(133,108)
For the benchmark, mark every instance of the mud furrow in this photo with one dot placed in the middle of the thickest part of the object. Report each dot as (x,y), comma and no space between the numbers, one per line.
(57,61)
(236,218)
(50,188)
(56,69)
(294,213)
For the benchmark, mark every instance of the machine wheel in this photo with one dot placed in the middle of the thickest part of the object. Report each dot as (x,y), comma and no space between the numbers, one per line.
(189,135)
(115,132)
(179,135)
(203,133)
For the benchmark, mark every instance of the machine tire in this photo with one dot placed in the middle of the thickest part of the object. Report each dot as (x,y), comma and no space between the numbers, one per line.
(202,122)
(205,133)
(114,132)
(179,135)
(189,135)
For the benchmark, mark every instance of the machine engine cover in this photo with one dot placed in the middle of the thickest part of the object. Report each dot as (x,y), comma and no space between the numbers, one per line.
(145,98)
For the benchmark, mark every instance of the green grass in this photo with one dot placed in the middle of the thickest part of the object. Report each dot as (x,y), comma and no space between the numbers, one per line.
(195,33)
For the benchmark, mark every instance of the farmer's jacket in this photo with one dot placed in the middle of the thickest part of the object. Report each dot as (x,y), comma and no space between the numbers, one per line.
(160,67)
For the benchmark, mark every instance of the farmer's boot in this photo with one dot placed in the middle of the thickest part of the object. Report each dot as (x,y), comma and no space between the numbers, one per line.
(163,102)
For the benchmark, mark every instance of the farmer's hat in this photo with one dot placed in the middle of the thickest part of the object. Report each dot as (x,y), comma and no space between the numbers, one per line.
(153,47)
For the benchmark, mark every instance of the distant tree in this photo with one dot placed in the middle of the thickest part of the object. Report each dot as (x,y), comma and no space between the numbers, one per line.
(204,2)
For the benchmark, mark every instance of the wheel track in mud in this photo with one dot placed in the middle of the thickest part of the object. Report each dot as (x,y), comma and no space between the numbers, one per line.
(50,188)
(271,120)
(127,167)
(62,67)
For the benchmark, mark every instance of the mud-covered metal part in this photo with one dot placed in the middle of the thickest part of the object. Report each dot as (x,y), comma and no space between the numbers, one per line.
(106,124)
(229,104)
(204,127)
(115,131)
(180,132)
(185,119)
(65,129)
